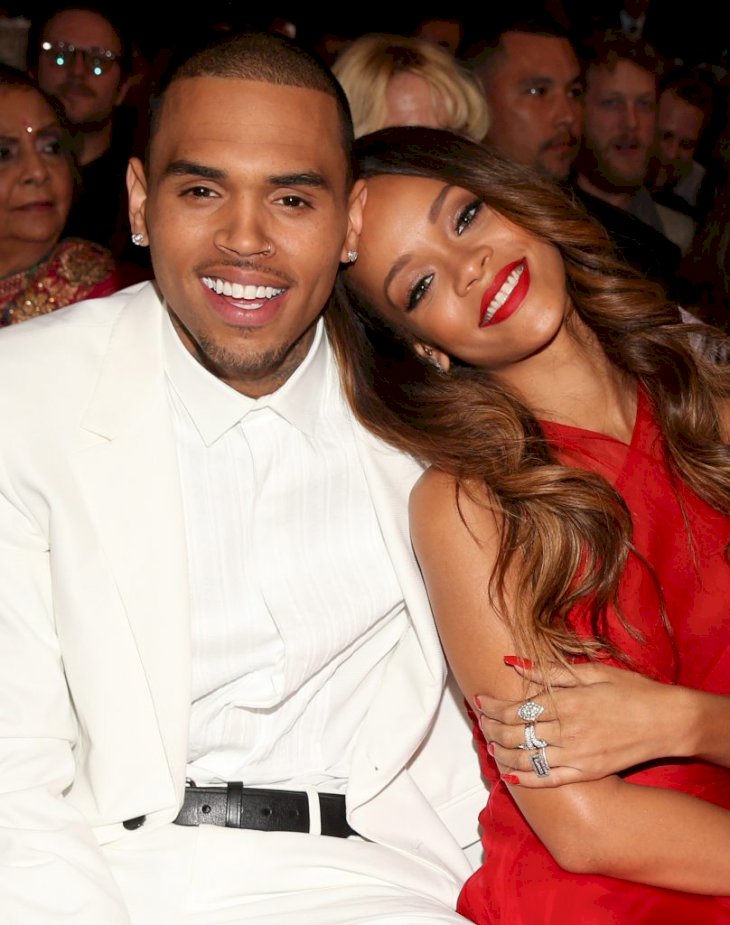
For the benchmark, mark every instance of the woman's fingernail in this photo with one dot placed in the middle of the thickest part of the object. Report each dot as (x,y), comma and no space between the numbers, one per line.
(514,661)
(478,701)
(510,779)
(490,748)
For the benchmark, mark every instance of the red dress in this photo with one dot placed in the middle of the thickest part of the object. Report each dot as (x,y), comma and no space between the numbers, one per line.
(519,881)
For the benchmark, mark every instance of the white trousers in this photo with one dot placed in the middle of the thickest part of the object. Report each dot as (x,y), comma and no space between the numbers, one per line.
(210,875)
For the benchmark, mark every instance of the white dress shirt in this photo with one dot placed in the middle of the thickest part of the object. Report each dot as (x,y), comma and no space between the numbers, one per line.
(295,605)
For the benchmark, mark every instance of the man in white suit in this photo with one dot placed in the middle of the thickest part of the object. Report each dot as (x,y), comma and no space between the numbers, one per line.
(206,569)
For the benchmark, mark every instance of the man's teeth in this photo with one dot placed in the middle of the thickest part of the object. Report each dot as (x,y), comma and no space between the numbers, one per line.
(504,293)
(237,291)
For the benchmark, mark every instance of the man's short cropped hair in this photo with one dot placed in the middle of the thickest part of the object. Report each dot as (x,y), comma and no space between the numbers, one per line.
(690,86)
(605,49)
(267,58)
(481,57)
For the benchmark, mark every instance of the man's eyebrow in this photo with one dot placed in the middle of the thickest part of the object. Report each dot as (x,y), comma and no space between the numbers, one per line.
(184,168)
(306,178)
(538,79)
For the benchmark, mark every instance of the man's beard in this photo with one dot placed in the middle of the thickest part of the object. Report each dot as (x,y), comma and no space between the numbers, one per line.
(599,169)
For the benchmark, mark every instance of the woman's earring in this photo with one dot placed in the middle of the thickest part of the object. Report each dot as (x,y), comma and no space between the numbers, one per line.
(138,239)
(432,359)
(351,256)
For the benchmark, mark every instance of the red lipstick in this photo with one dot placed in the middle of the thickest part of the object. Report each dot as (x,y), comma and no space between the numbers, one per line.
(491,315)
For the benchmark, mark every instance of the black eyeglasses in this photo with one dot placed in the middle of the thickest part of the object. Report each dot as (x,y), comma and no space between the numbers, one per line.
(98,61)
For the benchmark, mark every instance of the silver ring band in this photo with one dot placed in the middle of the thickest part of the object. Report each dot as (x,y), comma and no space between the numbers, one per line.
(540,764)
(531,740)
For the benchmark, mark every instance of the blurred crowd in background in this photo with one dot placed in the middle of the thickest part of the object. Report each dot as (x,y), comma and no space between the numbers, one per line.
(625,104)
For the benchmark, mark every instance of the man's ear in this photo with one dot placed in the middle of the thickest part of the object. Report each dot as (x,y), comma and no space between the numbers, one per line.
(137,192)
(436,357)
(355,206)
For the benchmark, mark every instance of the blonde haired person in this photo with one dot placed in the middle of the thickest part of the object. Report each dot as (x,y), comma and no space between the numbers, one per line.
(394,80)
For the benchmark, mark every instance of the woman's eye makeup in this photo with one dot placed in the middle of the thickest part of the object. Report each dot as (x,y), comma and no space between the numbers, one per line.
(466,216)
(418,291)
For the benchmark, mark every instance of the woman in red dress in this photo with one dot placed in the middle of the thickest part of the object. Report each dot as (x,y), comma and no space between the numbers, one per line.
(576,511)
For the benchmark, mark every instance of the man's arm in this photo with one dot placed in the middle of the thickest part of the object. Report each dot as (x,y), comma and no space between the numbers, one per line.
(51,867)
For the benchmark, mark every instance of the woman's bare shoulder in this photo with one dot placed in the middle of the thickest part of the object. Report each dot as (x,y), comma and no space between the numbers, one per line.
(440,501)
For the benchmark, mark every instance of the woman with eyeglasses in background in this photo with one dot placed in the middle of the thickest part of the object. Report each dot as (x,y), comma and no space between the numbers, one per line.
(38,272)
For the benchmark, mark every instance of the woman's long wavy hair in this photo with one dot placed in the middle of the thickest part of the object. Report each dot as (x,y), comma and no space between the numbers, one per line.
(565,533)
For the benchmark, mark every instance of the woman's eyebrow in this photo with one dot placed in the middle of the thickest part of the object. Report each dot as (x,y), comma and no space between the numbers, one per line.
(437,204)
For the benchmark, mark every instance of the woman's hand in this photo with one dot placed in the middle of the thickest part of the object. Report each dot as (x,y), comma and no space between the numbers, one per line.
(599,720)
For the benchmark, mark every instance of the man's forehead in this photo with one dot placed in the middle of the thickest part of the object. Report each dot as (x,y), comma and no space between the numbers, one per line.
(623,71)
(249,120)
(672,106)
(533,46)
(84,27)
(258,102)
(539,52)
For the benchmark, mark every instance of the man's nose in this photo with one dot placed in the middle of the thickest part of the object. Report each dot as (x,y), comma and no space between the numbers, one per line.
(243,231)
(568,111)
(631,116)
(77,65)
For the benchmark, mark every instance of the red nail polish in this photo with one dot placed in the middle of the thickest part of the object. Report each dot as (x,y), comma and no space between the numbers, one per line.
(490,748)
(478,701)
(514,661)
(510,779)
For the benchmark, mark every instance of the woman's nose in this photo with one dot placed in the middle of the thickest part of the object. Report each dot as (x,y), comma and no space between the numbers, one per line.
(473,267)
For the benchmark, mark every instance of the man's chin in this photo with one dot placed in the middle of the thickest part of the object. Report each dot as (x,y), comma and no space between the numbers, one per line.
(556,167)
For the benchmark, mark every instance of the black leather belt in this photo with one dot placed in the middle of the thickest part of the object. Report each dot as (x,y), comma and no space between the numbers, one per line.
(240,807)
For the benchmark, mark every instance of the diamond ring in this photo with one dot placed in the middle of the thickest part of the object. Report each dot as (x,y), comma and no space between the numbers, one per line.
(530,711)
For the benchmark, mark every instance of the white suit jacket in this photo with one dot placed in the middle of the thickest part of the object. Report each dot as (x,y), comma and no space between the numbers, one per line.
(94,627)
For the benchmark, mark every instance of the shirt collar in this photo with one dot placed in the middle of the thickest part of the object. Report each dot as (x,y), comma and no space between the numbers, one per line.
(215,407)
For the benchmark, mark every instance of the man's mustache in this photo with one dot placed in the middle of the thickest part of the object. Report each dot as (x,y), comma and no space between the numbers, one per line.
(563,138)
(75,86)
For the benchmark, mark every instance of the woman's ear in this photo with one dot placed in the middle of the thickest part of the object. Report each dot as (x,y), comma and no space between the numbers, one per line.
(436,357)
(356,204)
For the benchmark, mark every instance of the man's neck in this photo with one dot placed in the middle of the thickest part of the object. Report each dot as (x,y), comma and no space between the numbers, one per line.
(94,143)
(620,198)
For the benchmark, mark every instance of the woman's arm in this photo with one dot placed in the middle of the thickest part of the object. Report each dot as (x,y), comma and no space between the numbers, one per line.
(608,826)
(602,720)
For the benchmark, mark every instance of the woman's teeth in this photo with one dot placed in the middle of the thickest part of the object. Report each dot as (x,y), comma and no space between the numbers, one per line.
(504,293)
